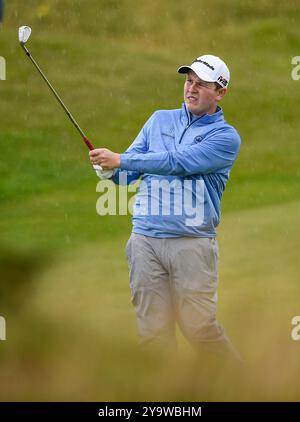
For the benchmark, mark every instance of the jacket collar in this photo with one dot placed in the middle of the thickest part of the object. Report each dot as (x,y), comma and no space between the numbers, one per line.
(203,120)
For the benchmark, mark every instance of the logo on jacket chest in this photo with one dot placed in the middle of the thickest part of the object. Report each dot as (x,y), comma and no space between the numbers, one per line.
(198,139)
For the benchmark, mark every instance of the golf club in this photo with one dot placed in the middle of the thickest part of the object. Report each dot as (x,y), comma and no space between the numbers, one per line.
(24,34)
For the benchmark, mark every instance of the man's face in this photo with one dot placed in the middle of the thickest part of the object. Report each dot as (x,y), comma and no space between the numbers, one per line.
(201,97)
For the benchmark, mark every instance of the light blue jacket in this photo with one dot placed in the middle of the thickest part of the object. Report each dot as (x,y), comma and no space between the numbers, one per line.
(184,163)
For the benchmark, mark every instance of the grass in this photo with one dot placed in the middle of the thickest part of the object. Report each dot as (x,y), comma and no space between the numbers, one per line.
(80,332)
(71,331)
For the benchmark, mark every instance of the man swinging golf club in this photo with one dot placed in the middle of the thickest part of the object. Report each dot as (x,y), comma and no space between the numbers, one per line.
(173,256)
(173,259)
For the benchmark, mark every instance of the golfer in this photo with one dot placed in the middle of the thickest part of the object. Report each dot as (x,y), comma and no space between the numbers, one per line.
(184,158)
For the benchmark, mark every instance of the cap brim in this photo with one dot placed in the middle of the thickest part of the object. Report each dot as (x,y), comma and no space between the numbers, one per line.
(184,69)
(200,73)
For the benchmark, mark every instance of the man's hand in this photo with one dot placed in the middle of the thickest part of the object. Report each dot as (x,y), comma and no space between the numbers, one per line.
(107,159)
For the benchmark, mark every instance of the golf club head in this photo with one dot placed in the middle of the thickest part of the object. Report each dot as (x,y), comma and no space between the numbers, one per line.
(24,34)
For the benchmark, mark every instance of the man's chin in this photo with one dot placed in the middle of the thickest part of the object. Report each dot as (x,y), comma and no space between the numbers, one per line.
(194,110)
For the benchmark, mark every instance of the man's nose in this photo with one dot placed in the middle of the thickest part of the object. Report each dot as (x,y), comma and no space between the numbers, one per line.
(192,87)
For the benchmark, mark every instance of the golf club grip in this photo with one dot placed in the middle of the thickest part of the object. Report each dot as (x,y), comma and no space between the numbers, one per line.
(89,145)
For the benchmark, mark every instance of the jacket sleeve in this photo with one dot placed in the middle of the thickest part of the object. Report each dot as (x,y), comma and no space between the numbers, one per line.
(138,147)
(217,151)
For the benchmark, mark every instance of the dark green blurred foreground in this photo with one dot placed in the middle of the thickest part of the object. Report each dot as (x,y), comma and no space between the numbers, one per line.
(71,330)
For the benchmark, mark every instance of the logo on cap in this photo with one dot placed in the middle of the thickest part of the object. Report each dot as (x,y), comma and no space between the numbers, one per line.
(205,63)
(222,80)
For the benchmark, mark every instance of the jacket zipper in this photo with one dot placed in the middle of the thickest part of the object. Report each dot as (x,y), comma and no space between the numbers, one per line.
(187,126)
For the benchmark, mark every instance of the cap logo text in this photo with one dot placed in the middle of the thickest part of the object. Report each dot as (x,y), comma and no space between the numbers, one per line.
(205,63)
(222,80)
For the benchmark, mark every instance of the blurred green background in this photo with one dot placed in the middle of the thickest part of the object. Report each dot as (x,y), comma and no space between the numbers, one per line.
(71,330)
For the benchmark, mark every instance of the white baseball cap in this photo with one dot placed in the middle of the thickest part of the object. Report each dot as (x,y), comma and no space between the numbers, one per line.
(209,68)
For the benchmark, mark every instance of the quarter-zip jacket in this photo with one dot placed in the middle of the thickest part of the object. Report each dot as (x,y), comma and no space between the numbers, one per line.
(184,166)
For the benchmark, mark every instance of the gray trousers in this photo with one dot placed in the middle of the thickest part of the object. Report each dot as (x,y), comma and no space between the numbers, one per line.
(175,280)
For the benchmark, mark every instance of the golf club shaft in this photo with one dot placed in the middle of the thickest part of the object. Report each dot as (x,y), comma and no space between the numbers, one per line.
(85,139)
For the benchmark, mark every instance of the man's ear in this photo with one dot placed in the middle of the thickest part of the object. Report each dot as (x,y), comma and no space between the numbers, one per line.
(221,93)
